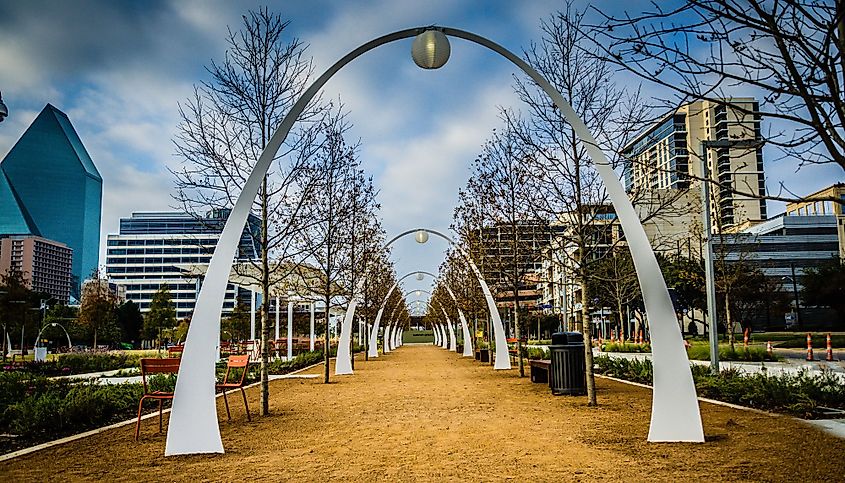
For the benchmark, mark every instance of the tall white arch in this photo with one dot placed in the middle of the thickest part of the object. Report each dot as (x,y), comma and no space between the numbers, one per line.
(502,361)
(193,426)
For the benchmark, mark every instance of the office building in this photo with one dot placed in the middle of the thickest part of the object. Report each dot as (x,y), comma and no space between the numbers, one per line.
(667,156)
(44,264)
(817,205)
(50,188)
(151,246)
(782,248)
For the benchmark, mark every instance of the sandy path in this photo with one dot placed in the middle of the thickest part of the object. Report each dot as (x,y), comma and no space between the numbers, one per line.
(423,414)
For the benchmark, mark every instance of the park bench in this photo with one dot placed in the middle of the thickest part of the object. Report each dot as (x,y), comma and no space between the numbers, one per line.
(540,369)
(175,350)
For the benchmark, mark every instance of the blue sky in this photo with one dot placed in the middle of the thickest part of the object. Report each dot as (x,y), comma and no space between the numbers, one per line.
(118,69)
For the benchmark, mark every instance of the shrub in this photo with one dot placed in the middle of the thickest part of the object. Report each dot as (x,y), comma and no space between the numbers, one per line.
(55,407)
(629,369)
(701,352)
(81,363)
(538,353)
(302,360)
(800,395)
(626,347)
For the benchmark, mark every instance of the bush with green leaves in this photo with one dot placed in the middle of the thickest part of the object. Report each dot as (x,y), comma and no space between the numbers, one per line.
(800,394)
(302,360)
(701,352)
(80,363)
(626,347)
(37,406)
(535,353)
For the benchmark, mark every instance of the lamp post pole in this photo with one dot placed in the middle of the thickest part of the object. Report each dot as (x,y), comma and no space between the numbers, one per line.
(709,275)
(710,279)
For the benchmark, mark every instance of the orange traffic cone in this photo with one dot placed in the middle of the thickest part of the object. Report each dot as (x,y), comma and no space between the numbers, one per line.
(829,352)
(809,346)
(769,347)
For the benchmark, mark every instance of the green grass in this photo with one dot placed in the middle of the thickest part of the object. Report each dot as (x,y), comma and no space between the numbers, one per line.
(799,340)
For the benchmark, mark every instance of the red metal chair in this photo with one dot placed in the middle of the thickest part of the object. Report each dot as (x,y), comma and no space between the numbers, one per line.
(235,362)
(155,366)
(175,350)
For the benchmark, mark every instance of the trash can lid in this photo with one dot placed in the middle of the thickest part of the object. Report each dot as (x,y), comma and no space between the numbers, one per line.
(564,338)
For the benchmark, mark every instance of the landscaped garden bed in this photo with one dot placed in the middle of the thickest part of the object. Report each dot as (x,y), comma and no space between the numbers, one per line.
(700,351)
(81,363)
(35,408)
(802,395)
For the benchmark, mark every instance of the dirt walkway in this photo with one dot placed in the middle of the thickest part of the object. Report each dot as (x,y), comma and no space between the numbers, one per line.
(423,414)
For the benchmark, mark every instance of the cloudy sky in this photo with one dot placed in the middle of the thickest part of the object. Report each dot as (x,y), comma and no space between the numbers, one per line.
(118,69)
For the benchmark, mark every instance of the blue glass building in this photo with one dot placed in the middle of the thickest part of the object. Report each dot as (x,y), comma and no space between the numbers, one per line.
(50,186)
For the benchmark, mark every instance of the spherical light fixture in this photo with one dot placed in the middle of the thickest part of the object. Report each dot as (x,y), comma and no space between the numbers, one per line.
(430,49)
(421,236)
(419,293)
(420,275)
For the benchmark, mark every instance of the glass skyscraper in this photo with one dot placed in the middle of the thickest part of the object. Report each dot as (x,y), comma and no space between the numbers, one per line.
(50,187)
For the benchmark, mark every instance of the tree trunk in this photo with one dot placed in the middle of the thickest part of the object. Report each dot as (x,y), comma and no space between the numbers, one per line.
(326,347)
(729,323)
(364,307)
(621,321)
(265,305)
(588,343)
(518,335)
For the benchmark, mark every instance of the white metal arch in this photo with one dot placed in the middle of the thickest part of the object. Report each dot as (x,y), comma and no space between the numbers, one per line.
(193,426)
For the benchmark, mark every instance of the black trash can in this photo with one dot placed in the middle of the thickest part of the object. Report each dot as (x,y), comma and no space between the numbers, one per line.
(567,374)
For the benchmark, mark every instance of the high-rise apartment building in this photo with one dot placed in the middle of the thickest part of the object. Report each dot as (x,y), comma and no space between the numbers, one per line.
(667,155)
(44,264)
(49,187)
(151,246)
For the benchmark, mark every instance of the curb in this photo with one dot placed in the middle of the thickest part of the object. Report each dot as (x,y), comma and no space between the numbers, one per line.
(74,437)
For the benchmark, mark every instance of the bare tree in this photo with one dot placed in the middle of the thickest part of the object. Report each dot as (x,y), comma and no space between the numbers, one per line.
(571,192)
(364,226)
(225,127)
(790,52)
(378,278)
(334,171)
(614,279)
(505,171)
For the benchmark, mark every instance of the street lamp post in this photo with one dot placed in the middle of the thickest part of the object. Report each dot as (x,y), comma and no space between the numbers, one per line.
(709,275)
